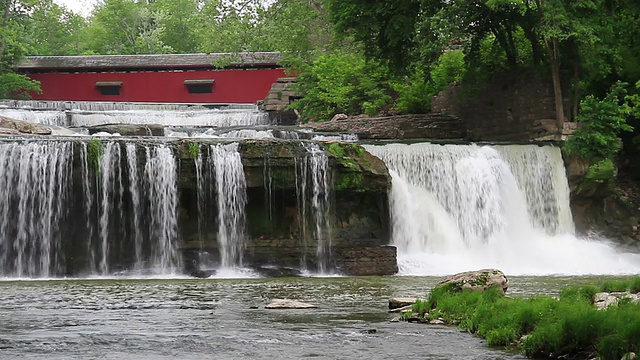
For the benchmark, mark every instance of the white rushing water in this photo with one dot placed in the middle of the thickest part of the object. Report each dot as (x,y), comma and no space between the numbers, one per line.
(314,203)
(34,188)
(465,207)
(220,176)
(161,182)
(45,117)
(93,114)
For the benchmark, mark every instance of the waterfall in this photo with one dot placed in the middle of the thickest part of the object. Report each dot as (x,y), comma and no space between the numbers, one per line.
(463,207)
(313,185)
(122,219)
(92,114)
(33,179)
(110,196)
(45,117)
(161,184)
(136,206)
(221,177)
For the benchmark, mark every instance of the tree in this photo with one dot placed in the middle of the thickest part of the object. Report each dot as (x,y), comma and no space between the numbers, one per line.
(12,49)
(126,27)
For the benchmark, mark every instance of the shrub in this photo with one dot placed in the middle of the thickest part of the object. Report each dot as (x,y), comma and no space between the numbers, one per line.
(601,120)
(343,83)
(569,327)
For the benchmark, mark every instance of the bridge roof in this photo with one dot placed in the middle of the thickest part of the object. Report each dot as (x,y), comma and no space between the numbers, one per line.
(154,61)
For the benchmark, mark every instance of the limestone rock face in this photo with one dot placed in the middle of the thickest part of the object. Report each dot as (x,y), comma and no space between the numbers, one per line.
(278,217)
(23,127)
(479,280)
(288,304)
(420,126)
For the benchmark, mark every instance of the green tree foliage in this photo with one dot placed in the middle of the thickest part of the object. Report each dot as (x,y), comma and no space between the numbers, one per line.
(342,83)
(126,27)
(51,29)
(416,90)
(12,49)
(601,122)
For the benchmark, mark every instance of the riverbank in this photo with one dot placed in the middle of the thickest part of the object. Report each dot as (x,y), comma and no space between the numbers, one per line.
(576,324)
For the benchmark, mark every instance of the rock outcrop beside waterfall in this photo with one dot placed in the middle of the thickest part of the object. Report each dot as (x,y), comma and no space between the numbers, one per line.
(400,127)
(23,127)
(603,207)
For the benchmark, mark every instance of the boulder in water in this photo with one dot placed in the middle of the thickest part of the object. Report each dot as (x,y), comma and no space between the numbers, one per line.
(396,303)
(23,127)
(275,271)
(288,304)
(479,280)
(203,273)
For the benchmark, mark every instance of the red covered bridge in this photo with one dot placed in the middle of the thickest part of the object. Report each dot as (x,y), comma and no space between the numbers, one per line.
(176,78)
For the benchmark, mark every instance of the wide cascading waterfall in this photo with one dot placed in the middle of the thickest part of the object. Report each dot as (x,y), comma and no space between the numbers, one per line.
(464,207)
(220,178)
(120,220)
(34,182)
(203,117)
(314,203)
(94,114)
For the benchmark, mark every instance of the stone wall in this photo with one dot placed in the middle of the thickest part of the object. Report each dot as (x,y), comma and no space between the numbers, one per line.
(511,107)
(282,94)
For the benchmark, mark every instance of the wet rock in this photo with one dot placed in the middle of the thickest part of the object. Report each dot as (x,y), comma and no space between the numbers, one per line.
(415,126)
(436,322)
(367,260)
(203,273)
(480,280)
(275,271)
(369,331)
(23,127)
(128,129)
(401,309)
(400,302)
(288,304)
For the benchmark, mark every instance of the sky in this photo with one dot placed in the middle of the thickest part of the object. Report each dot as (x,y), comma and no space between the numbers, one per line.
(82,7)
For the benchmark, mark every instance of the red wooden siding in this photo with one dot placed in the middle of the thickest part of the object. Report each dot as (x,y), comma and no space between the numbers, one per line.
(230,86)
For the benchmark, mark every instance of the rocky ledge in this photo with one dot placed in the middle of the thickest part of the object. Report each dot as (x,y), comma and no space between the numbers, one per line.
(399,127)
(10,126)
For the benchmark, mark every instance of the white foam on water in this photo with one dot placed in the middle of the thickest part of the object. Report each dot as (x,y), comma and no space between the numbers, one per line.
(465,207)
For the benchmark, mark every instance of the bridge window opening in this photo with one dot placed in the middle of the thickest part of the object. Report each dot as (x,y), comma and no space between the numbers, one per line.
(109,87)
(199,86)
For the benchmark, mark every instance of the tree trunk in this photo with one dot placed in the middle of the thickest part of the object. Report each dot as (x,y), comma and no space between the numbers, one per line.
(552,49)
(576,91)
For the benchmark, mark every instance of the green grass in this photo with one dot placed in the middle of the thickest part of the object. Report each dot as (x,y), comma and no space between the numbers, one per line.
(543,326)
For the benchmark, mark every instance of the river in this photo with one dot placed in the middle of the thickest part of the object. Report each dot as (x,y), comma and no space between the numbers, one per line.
(226,319)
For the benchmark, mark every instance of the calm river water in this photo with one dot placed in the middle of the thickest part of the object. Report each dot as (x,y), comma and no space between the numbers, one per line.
(214,319)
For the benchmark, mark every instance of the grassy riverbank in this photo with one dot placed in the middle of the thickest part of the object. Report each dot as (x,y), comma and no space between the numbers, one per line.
(541,326)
